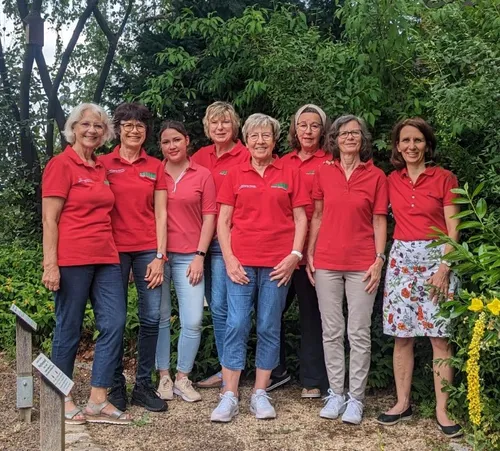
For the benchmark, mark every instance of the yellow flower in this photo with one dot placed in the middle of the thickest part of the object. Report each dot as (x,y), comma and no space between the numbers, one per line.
(476,305)
(494,307)
(472,370)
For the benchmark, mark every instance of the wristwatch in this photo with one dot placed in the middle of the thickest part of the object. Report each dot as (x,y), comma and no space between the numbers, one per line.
(162,256)
(381,255)
(298,254)
(201,253)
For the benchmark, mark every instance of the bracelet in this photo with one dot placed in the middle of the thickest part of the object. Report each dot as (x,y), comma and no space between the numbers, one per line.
(298,254)
(381,255)
(446,262)
(201,253)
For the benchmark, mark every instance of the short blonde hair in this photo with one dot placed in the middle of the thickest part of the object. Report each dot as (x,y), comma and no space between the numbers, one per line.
(261,120)
(77,114)
(220,109)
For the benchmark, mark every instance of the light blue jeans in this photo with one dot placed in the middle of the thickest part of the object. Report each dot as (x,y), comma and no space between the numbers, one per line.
(269,304)
(190,300)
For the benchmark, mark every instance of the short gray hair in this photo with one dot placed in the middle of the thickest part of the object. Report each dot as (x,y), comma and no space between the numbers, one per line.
(332,146)
(261,120)
(76,116)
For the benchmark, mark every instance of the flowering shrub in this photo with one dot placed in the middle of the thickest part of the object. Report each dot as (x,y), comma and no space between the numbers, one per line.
(475,323)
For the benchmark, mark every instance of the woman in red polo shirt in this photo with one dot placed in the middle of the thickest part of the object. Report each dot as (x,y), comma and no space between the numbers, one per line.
(80,259)
(346,253)
(221,124)
(306,137)
(190,228)
(139,220)
(417,277)
(261,227)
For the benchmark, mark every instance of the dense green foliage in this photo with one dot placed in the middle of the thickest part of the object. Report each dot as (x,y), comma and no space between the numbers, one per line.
(380,59)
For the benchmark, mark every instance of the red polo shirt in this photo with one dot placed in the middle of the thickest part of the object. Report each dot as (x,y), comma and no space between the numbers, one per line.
(346,239)
(134,184)
(190,197)
(307,170)
(419,206)
(262,224)
(85,235)
(219,167)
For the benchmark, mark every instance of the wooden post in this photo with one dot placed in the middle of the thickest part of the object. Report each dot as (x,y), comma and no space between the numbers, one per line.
(24,328)
(54,386)
(24,374)
(51,417)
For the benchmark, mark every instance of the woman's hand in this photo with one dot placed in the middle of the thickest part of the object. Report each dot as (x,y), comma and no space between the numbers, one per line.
(195,270)
(439,282)
(235,271)
(310,269)
(154,273)
(284,270)
(51,277)
(373,276)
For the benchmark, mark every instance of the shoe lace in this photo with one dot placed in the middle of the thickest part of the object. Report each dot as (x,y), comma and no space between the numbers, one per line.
(226,401)
(355,405)
(262,399)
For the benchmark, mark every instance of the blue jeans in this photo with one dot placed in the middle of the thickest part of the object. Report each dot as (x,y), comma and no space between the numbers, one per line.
(190,300)
(148,312)
(216,294)
(270,305)
(103,285)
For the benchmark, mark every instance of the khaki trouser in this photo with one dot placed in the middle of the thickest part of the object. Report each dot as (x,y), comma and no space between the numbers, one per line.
(330,287)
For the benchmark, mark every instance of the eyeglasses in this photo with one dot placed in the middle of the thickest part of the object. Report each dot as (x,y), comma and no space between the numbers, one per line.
(88,125)
(128,127)
(255,136)
(353,133)
(303,126)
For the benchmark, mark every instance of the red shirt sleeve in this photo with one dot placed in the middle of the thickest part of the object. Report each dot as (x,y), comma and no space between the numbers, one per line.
(226,193)
(381,201)
(208,199)
(317,192)
(56,181)
(450,182)
(300,196)
(161,180)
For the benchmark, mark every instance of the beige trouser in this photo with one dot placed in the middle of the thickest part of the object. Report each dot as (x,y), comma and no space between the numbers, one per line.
(330,287)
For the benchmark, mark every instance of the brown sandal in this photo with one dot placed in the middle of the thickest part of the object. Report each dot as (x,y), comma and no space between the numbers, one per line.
(69,417)
(94,414)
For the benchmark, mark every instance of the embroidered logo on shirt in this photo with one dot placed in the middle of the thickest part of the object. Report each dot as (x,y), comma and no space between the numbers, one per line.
(281,185)
(149,175)
(310,172)
(223,172)
(106,182)
(247,186)
(115,171)
(82,180)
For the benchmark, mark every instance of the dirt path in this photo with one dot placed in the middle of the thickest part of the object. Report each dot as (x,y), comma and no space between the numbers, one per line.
(186,427)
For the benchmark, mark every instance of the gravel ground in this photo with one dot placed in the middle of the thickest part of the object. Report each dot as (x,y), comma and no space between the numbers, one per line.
(187,427)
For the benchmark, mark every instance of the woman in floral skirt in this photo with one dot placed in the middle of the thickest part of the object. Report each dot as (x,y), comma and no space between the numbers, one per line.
(417,278)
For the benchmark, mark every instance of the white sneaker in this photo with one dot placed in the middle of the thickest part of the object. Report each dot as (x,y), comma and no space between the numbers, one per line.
(184,389)
(165,388)
(260,405)
(334,405)
(354,411)
(227,408)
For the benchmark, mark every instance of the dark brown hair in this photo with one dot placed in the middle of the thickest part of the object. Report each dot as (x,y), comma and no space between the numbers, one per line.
(430,138)
(293,139)
(132,112)
(178,127)
(332,136)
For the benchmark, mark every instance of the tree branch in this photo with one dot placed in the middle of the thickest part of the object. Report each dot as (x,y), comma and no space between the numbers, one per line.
(113,44)
(103,24)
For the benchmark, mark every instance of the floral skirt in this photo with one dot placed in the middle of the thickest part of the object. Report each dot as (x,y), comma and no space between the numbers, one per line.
(408,310)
